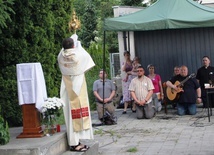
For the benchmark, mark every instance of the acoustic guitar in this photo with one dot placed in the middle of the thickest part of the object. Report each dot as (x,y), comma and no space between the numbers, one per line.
(173,94)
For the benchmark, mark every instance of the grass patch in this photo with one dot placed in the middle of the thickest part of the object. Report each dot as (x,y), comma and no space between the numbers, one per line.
(111,132)
(132,150)
(98,132)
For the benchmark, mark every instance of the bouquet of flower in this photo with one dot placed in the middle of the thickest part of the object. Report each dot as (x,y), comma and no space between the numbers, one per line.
(51,109)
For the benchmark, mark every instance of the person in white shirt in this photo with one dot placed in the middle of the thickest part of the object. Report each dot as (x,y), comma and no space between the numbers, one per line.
(141,89)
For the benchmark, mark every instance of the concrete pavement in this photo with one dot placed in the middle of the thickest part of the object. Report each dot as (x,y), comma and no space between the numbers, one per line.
(162,135)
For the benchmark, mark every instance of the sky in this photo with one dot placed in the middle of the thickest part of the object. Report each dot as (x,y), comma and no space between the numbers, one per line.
(207,1)
(203,1)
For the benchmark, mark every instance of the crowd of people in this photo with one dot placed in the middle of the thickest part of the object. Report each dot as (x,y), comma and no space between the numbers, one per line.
(143,93)
(131,68)
(144,98)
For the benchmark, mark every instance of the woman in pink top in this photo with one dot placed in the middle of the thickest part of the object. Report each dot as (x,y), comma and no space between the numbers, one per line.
(158,91)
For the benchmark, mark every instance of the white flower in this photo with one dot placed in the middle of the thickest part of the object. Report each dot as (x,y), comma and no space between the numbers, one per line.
(52,104)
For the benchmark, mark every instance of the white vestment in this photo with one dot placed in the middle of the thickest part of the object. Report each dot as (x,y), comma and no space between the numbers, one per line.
(73,63)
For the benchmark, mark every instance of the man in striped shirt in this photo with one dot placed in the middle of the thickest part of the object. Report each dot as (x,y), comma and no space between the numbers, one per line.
(141,89)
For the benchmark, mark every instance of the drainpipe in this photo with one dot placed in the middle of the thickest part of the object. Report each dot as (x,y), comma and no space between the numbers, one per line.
(128,42)
(124,41)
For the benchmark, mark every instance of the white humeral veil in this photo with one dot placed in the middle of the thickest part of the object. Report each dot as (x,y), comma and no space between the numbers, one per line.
(73,63)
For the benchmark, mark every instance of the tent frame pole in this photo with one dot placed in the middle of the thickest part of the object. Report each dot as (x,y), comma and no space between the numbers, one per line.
(104,40)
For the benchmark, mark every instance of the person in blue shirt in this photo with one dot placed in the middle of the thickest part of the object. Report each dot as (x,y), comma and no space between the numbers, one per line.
(104,99)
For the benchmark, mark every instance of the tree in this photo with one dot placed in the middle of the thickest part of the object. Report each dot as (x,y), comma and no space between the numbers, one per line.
(5,12)
(132,2)
(35,35)
(90,24)
(111,37)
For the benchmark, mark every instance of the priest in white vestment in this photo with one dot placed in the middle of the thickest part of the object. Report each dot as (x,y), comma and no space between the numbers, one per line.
(74,61)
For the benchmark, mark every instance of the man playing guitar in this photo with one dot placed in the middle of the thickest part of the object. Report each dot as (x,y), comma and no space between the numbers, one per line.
(188,93)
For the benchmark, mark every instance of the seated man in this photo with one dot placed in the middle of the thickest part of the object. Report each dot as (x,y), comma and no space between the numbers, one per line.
(141,89)
(104,101)
(189,93)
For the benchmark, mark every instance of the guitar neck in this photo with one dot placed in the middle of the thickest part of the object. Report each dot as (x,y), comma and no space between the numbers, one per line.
(185,80)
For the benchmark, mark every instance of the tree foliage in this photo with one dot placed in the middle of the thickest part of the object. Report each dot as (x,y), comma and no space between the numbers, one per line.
(90,24)
(5,12)
(96,52)
(132,2)
(35,35)
(4,132)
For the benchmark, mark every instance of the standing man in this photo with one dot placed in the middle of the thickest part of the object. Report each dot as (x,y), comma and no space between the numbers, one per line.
(141,89)
(189,93)
(203,76)
(109,92)
(74,61)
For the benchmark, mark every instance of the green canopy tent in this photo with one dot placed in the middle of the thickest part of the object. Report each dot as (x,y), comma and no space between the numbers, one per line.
(164,14)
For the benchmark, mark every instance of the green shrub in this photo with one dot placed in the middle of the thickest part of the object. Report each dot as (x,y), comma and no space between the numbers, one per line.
(96,52)
(35,35)
(4,132)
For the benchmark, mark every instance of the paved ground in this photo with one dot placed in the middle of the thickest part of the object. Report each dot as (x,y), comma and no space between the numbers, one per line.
(163,135)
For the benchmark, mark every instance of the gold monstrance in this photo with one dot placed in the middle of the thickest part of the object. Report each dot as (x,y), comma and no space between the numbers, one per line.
(74,23)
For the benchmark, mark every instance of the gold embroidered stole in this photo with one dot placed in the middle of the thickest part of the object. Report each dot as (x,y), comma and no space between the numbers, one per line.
(78,103)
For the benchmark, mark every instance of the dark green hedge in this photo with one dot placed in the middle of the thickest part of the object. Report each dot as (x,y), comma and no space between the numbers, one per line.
(35,35)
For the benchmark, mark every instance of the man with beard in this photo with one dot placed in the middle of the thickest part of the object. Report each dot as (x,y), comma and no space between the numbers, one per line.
(141,89)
